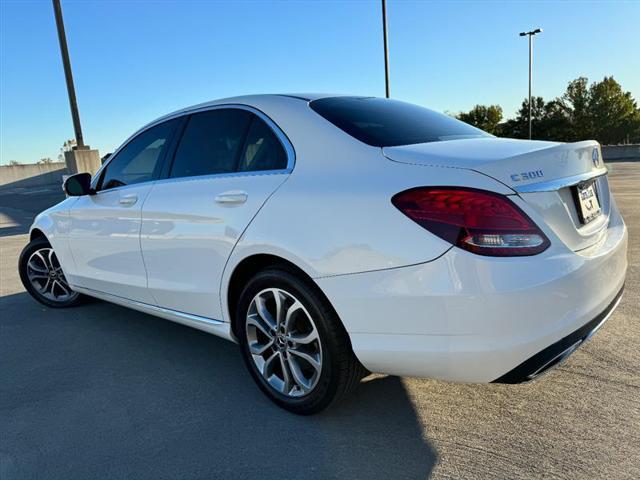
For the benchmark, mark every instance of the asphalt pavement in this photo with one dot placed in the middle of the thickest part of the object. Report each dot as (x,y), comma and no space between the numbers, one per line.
(100,392)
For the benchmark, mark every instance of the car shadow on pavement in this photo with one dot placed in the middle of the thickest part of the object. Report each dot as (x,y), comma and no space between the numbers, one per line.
(100,391)
(20,204)
(13,222)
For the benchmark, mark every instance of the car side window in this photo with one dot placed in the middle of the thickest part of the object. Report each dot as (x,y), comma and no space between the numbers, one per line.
(262,150)
(140,160)
(211,143)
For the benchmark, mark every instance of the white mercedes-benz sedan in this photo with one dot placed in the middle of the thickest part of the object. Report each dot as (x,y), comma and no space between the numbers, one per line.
(330,236)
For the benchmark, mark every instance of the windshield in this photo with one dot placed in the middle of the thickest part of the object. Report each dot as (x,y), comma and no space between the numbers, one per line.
(382,122)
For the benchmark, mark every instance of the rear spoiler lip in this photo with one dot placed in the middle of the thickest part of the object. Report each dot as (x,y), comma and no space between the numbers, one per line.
(558,183)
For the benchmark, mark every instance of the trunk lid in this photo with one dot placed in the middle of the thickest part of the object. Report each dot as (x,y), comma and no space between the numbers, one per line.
(546,175)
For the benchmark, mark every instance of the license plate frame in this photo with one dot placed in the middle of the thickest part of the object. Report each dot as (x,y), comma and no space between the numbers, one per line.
(587,202)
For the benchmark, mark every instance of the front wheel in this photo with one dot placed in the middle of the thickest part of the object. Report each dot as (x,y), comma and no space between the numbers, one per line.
(293,343)
(42,276)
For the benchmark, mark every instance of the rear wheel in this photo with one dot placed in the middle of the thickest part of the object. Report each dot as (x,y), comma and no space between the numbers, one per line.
(42,276)
(294,344)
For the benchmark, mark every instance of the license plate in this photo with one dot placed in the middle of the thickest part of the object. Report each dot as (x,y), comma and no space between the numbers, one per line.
(588,204)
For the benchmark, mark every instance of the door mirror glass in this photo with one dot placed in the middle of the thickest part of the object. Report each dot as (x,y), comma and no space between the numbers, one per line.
(78,185)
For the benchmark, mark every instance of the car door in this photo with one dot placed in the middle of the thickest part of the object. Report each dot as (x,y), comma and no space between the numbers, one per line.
(104,228)
(226,165)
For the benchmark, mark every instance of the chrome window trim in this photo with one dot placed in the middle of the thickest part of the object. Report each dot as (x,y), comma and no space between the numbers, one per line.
(211,176)
(557,184)
(125,187)
(282,137)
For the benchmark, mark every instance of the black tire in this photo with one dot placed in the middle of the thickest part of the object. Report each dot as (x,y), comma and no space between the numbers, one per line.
(340,371)
(36,245)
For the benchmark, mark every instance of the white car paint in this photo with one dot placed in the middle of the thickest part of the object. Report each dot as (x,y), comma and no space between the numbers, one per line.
(187,235)
(465,317)
(104,240)
(411,302)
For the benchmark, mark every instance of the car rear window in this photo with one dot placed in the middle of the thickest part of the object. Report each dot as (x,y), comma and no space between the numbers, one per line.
(382,122)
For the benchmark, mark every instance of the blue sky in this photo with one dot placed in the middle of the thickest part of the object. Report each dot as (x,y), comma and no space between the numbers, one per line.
(136,60)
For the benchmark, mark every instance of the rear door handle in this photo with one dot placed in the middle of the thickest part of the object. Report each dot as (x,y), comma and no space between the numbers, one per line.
(233,197)
(128,200)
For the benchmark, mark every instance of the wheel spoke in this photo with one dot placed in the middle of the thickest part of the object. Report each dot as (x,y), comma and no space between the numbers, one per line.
(36,268)
(290,312)
(261,308)
(61,286)
(306,357)
(37,276)
(286,388)
(267,368)
(42,259)
(45,287)
(297,375)
(304,338)
(277,296)
(258,349)
(258,322)
(51,258)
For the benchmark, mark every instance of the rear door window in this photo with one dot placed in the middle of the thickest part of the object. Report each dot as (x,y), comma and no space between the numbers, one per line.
(211,143)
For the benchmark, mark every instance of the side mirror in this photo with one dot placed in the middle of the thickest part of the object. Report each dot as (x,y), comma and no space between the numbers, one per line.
(78,185)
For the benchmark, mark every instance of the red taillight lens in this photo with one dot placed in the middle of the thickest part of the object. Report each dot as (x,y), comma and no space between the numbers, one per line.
(481,222)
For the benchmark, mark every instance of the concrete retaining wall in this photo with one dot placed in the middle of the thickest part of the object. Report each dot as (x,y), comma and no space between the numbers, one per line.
(31,175)
(617,153)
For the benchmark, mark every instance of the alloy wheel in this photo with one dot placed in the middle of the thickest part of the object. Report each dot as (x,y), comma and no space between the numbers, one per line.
(46,276)
(284,342)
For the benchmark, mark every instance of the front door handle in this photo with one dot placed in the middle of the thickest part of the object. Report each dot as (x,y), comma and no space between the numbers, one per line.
(128,200)
(233,197)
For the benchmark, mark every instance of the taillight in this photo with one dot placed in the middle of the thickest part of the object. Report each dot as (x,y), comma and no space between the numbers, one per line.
(481,222)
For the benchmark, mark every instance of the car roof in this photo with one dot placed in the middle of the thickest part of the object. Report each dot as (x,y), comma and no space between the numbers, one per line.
(307,97)
(312,96)
(243,99)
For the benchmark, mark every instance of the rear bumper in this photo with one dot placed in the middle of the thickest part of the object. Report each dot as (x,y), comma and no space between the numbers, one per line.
(558,352)
(463,317)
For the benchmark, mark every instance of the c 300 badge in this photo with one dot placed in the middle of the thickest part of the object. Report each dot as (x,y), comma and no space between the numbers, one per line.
(521,177)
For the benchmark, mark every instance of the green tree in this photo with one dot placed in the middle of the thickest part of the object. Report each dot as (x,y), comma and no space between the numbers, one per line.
(519,126)
(601,111)
(614,113)
(575,103)
(554,123)
(484,117)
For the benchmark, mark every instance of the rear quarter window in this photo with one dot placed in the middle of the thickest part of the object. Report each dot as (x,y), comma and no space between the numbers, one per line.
(262,150)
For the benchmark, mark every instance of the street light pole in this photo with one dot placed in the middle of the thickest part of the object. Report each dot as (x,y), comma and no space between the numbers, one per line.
(530,35)
(386,48)
(66,63)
